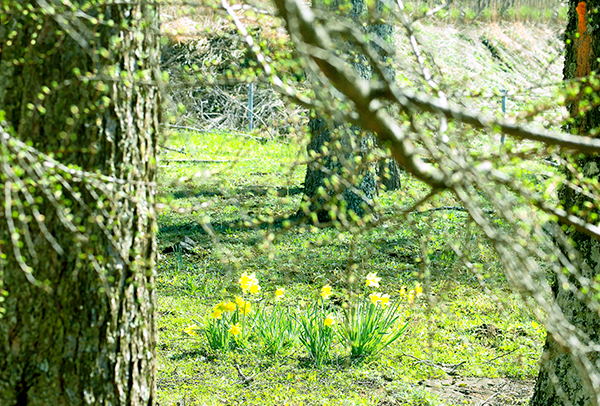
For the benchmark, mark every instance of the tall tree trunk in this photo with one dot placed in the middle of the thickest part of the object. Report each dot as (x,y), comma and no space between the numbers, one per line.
(335,178)
(567,374)
(389,171)
(77,244)
(335,182)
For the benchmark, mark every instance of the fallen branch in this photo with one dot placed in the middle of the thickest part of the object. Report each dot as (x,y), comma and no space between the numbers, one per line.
(503,355)
(453,208)
(449,369)
(245,380)
(200,130)
(180,151)
(202,161)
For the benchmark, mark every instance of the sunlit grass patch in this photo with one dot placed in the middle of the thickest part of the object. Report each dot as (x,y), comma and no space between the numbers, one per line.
(470,335)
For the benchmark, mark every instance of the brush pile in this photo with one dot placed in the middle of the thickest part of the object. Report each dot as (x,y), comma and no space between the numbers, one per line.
(210,72)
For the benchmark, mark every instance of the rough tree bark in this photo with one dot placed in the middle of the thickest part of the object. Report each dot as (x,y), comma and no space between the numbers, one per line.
(323,190)
(560,380)
(388,171)
(77,82)
(324,185)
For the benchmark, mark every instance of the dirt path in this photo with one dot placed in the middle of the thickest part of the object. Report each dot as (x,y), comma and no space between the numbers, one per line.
(481,391)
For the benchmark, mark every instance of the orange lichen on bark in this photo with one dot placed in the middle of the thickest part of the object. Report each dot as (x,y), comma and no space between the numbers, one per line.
(583,43)
(581,9)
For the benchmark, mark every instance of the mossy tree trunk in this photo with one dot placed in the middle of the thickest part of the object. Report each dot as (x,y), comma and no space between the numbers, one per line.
(389,171)
(341,175)
(335,182)
(560,380)
(77,82)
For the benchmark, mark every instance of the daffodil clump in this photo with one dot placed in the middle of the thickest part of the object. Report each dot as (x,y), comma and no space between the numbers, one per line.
(317,328)
(366,327)
(229,321)
(233,323)
(222,324)
(369,321)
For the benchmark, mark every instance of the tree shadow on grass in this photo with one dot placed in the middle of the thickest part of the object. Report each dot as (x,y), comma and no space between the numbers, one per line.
(199,353)
(255,190)
(240,225)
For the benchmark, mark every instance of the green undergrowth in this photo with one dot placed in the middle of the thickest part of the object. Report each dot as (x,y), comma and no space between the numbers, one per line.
(231,194)
(456,328)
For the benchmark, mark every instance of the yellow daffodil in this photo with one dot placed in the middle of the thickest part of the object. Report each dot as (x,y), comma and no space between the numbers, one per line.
(254,289)
(235,329)
(243,306)
(279,292)
(373,280)
(375,298)
(248,282)
(190,329)
(239,301)
(418,290)
(329,321)
(247,279)
(384,299)
(228,306)
(326,291)
(216,314)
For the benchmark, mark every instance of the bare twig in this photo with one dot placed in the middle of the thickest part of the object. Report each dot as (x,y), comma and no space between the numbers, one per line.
(447,368)
(503,355)
(245,380)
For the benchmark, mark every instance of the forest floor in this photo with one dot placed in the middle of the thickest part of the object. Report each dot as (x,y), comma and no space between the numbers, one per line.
(469,340)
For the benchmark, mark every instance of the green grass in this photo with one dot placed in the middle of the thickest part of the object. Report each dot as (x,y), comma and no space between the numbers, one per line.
(228,191)
(447,326)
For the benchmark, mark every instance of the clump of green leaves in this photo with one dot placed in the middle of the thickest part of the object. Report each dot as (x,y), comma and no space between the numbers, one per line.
(368,321)
(276,329)
(317,329)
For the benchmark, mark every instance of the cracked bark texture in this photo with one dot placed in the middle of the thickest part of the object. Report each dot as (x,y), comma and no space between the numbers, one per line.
(560,380)
(90,338)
